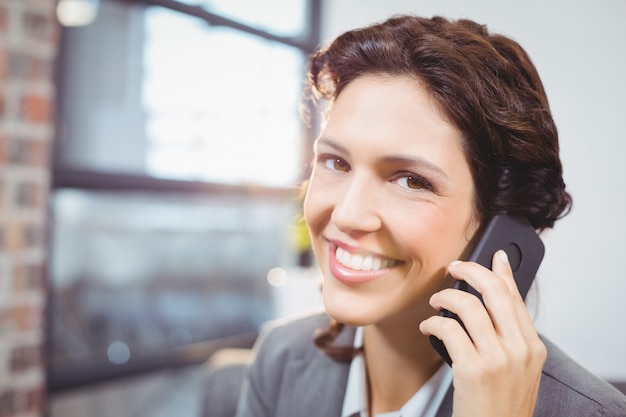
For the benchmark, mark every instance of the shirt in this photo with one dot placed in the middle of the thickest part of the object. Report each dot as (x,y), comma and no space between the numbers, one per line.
(424,403)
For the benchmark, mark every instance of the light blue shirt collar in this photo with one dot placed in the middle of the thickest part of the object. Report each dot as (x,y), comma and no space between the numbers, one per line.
(424,403)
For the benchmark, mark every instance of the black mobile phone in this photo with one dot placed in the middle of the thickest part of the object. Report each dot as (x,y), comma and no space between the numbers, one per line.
(525,251)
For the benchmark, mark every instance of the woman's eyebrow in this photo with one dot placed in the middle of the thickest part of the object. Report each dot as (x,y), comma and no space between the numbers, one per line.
(389,159)
(414,161)
(332,143)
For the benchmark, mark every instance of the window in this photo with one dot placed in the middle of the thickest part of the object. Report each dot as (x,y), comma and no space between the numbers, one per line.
(221,105)
(180,147)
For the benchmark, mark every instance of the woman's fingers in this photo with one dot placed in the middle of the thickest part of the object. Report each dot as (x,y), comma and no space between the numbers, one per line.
(454,337)
(471,312)
(498,328)
(497,363)
(500,295)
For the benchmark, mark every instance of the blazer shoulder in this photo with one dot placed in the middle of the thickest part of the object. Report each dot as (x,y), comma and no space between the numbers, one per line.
(294,334)
(289,372)
(568,389)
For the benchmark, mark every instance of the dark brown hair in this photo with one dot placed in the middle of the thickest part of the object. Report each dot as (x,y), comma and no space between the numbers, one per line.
(486,86)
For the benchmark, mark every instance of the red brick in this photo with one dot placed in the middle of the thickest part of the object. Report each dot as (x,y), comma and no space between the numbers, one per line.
(41,26)
(31,152)
(6,322)
(30,195)
(18,64)
(19,236)
(28,277)
(32,23)
(7,403)
(37,26)
(17,401)
(35,398)
(14,237)
(2,104)
(17,152)
(34,236)
(36,108)
(3,63)
(26,195)
(4,19)
(3,148)
(25,357)
(26,65)
(40,153)
(26,317)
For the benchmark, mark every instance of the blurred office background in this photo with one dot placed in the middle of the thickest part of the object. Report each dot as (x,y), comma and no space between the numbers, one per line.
(150,161)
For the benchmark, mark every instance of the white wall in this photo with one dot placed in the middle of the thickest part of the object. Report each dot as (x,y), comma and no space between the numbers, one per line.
(579,49)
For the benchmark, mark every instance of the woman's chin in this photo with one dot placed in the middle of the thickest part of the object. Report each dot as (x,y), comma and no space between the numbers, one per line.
(348,313)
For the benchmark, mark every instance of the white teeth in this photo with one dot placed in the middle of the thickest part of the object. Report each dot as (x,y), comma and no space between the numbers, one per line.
(377,264)
(356,262)
(362,263)
(367,263)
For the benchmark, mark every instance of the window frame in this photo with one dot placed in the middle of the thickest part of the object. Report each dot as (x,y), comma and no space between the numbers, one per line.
(63,177)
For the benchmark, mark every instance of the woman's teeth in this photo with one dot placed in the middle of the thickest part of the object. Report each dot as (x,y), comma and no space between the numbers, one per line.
(362,263)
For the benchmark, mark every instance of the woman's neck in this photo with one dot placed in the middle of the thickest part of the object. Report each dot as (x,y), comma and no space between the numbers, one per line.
(399,361)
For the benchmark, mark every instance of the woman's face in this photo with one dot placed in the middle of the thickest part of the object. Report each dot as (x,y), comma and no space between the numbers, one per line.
(389,203)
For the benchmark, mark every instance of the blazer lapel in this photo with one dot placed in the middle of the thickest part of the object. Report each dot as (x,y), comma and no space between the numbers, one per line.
(319,381)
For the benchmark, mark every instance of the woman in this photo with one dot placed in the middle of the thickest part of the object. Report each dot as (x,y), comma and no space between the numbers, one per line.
(433,128)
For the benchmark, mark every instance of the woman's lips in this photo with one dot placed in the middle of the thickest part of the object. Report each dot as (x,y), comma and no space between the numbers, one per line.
(356,268)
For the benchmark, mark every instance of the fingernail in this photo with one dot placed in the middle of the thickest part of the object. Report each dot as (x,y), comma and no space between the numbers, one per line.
(503,256)
(421,326)
(454,263)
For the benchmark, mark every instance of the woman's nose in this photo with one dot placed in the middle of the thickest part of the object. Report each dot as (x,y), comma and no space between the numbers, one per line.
(356,208)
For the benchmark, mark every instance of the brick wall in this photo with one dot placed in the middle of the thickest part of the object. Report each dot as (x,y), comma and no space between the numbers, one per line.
(28,46)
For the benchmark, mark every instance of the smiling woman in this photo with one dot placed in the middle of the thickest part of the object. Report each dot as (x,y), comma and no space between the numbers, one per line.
(434,127)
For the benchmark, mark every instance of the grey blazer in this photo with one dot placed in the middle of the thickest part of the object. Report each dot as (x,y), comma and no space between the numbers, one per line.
(291,377)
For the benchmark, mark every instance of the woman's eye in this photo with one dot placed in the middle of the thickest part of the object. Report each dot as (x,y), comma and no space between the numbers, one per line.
(414,182)
(336,164)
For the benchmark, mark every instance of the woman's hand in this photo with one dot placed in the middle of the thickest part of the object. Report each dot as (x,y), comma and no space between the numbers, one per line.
(496,372)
